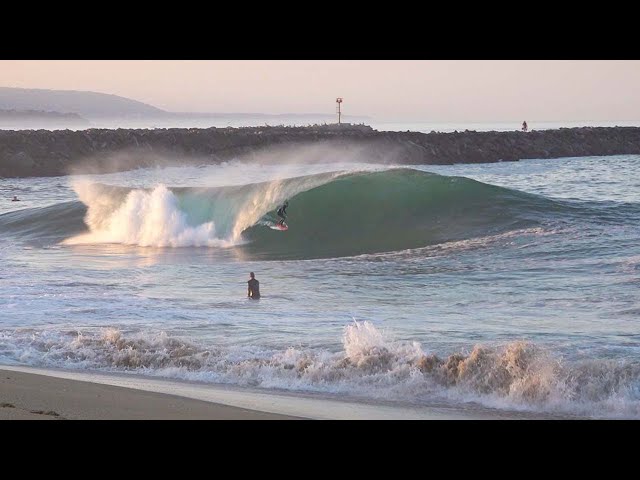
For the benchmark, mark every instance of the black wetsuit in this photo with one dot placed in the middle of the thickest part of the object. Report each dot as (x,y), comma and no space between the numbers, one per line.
(254,289)
(282,213)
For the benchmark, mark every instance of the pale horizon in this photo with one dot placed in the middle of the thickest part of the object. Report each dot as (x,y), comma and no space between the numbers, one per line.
(428,90)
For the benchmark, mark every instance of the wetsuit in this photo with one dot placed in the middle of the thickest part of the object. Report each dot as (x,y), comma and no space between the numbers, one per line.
(254,289)
(282,213)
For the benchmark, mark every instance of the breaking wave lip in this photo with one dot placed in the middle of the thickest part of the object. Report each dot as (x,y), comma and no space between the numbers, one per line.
(518,375)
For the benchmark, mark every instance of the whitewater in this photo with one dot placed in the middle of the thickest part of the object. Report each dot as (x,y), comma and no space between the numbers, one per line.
(509,287)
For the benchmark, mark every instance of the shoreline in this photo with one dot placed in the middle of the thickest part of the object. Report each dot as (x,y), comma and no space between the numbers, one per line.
(34,396)
(37,393)
(44,153)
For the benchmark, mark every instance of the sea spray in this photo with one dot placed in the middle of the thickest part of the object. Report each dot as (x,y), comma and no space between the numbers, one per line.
(144,218)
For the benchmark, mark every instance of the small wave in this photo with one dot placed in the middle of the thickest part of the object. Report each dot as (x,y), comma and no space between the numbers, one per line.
(517,375)
(54,222)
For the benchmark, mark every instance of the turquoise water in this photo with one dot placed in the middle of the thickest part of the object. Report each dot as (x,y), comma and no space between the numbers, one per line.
(510,285)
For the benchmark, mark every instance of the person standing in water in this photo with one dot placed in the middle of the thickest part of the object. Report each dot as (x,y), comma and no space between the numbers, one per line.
(282,212)
(525,127)
(253,291)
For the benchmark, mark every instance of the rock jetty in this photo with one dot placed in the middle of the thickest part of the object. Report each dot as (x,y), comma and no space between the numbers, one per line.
(50,153)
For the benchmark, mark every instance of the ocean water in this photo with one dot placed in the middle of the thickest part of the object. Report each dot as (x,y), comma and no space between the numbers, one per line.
(510,286)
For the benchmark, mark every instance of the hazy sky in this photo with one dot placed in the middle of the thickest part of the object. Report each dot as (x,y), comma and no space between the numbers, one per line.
(428,90)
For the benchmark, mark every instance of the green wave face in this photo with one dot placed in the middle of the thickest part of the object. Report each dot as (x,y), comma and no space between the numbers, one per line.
(389,211)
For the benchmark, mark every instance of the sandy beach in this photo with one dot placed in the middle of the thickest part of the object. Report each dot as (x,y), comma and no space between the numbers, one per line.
(27,396)
(53,394)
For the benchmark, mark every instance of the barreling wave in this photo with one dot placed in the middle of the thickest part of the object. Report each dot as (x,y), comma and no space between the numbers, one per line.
(517,375)
(393,210)
(334,214)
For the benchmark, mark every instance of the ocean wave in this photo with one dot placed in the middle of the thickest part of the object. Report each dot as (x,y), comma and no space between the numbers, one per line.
(330,214)
(517,375)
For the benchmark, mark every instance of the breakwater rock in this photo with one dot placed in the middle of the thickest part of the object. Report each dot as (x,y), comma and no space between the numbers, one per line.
(60,152)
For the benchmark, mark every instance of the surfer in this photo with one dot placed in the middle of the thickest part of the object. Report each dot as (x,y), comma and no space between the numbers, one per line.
(254,287)
(15,199)
(282,212)
(525,127)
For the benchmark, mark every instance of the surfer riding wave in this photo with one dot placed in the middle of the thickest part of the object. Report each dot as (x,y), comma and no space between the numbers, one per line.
(282,212)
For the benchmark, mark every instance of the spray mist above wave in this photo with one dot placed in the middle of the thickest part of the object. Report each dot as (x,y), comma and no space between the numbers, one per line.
(516,375)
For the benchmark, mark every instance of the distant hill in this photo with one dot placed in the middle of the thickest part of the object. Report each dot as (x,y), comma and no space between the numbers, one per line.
(30,118)
(86,104)
(113,110)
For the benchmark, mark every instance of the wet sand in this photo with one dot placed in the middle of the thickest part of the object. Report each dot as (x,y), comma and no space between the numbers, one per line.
(27,396)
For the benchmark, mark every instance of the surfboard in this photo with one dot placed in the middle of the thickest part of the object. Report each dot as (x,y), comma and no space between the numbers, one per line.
(282,227)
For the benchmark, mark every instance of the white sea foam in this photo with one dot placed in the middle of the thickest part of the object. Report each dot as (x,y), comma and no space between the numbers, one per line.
(144,218)
(516,375)
(153,217)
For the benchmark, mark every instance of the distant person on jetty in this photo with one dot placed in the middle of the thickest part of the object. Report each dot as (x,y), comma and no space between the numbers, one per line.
(525,127)
(15,199)
(254,287)
(282,212)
